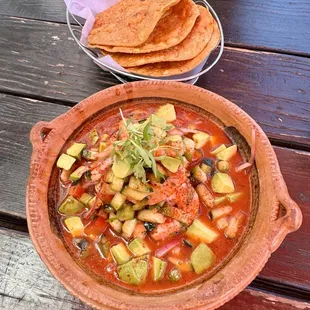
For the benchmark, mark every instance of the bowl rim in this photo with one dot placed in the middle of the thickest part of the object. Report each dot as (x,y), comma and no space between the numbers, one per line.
(212,293)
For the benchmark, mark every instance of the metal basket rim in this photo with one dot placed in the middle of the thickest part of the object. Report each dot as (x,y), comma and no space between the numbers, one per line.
(115,72)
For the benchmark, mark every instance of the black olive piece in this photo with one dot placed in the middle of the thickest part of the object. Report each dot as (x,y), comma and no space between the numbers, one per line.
(87,175)
(108,208)
(187,243)
(193,181)
(149,226)
(81,244)
(75,182)
(209,162)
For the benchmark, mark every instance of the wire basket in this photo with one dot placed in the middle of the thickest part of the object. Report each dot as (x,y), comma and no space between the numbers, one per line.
(124,76)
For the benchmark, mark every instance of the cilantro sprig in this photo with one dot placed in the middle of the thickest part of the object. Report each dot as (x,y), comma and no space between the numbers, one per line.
(139,147)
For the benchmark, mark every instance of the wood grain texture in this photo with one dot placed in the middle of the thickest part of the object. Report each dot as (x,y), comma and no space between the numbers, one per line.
(281,25)
(39,60)
(289,265)
(25,283)
(272,88)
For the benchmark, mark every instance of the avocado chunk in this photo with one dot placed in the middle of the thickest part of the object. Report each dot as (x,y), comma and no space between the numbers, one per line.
(117,184)
(74,225)
(202,258)
(158,132)
(89,155)
(128,228)
(158,121)
(77,174)
(218,200)
(121,168)
(167,112)
(199,175)
(200,231)
(174,138)
(233,197)
(125,213)
(94,136)
(227,153)
(70,206)
(65,161)
(140,205)
(121,253)
(135,271)
(159,268)
(220,148)
(138,185)
(75,150)
(104,246)
(115,223)
(96,200)
(138,247)
(222,183)
(102,146)
(170,163)
(201,138)
(85,198)
(133,194)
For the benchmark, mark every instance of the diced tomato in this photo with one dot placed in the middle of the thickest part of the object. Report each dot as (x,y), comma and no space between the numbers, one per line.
(76,191)
(197,156)
(105,197)
(96,227)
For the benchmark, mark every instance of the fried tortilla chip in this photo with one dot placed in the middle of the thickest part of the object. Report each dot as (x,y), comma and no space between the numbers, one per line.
(189,48)
(129,22)
(173,28)
(179,67)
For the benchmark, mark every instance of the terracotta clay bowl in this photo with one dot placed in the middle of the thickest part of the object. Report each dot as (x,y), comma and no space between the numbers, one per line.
(273,213)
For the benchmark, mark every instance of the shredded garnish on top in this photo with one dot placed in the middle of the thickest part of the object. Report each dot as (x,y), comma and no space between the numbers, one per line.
(141,141)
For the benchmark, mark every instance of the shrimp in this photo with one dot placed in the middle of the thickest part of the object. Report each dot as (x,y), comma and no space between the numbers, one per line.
(101,166)
(188,201)
(163,231)
(162,191)
(187,204)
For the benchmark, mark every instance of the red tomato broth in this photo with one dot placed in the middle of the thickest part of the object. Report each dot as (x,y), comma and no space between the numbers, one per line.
(105,269)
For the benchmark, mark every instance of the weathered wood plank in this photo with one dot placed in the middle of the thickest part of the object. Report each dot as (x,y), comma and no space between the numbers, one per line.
(290,264)
(25,283)
(41,59)
(249,23)
(272,88)
(280,25)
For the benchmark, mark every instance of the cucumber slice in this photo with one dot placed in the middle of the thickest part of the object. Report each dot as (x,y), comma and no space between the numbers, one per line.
(125,213)
(135,195)
(128,228)
(117,201)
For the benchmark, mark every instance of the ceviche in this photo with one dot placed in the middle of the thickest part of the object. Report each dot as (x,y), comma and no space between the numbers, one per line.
(152,199)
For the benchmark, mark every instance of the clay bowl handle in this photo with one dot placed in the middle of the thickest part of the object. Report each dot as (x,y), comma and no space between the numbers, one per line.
(292,218)
(38,134)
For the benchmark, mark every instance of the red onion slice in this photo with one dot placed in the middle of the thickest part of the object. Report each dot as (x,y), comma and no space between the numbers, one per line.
(162,251)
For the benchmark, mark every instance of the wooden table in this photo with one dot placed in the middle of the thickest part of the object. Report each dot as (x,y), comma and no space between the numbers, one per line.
(265,69)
